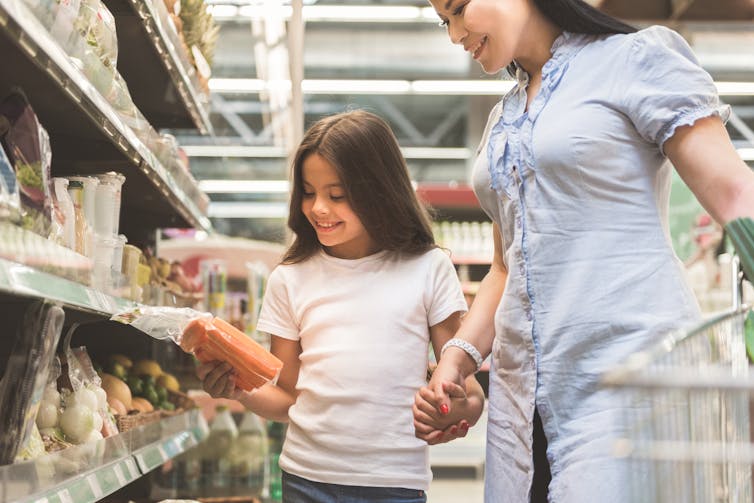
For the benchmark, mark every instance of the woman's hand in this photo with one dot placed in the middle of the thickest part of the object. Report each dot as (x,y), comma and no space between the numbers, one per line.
(218,379)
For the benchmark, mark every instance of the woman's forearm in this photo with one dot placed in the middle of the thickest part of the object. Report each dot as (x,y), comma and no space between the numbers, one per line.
(270,401)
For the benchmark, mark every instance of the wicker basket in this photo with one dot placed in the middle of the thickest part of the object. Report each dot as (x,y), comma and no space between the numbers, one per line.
(181,401)
(129,421)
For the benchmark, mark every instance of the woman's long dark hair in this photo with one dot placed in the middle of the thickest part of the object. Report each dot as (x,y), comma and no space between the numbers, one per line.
(577,16)
(365,153)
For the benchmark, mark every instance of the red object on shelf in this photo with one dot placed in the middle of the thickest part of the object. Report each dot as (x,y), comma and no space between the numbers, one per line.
(447,196)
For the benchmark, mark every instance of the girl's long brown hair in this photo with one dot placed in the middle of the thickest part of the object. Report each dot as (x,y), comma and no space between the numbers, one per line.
(365,153)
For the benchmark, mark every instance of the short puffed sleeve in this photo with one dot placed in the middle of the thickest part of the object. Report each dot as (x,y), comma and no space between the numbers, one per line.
(664,87)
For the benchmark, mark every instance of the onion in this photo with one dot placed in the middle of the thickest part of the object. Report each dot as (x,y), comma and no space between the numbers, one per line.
(51,395)
(47,415)
(87,398)
(101,398)
(77,423)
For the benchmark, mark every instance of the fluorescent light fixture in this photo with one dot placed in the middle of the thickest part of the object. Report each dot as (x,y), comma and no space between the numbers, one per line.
(366,86)
(435,153)
(248,210)
(244,186)
(262,151)
(328,13)
(747,154)
(445,87)
(310,86)
(234,151)
(735,88)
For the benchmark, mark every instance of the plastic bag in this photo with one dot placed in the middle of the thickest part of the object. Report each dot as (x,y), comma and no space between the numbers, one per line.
(10,197)
(209,339)
(25,376)
(28,147)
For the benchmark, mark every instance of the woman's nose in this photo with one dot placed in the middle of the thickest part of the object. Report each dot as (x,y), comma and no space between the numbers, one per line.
(456,32)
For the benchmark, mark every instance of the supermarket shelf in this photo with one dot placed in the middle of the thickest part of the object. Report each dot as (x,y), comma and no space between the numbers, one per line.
(448,196)
(21,280)
(87,473)
(86,133)
(160,77)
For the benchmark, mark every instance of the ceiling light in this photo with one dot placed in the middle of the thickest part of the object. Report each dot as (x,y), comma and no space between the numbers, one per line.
(735,88)
(234,151)
(248,210)
(310,86)
(444,87)
(244,186)
(747,154)
(435,153)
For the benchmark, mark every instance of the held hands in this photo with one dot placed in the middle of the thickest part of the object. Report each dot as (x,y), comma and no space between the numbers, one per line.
(442,409)
(218,379)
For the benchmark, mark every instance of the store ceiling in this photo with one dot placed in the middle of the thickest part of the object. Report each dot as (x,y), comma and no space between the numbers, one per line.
(721,33)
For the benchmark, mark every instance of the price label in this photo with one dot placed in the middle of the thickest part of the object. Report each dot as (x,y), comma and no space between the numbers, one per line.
(65,496)
(94,485)
(119,475)
(132,469)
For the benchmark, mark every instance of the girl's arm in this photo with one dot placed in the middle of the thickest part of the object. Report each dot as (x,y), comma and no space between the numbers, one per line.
(271,401)
(708,163)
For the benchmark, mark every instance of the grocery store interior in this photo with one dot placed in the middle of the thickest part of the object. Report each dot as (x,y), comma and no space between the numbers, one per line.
(146,148)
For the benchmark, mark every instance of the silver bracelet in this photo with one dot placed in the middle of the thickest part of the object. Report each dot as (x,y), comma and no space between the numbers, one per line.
(466,346)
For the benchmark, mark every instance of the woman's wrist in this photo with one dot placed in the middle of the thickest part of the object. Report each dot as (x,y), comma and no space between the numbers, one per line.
(472,354)
(459,359)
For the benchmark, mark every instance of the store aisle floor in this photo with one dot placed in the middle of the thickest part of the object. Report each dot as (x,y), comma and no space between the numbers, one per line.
(458,468)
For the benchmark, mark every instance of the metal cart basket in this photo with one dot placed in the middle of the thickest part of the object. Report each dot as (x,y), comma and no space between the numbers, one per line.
(686,436)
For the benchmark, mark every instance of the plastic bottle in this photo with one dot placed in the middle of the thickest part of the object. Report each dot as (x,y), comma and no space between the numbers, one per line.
(249,457)
(276,436)
(216,454)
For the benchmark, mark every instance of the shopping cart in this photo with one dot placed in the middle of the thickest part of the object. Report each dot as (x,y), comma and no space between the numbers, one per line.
(686,436)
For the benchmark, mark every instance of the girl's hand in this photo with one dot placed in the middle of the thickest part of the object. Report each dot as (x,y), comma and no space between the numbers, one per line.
(219,380)
(446,376)
(432,426)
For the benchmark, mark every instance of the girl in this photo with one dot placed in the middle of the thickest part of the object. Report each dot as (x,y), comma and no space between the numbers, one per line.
(573,171)
(359,296)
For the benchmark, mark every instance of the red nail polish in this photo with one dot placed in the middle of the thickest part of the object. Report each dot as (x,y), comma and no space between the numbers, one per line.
(453,430)
(444,409)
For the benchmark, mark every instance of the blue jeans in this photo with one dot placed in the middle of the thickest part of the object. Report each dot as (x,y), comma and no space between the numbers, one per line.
(300,490)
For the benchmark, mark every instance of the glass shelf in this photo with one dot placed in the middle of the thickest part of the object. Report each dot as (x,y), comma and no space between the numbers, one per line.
(87,473)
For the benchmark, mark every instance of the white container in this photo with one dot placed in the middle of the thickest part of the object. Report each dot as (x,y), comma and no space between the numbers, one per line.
(107,203)
(118,253)
(104,253)
(65,204)
(90,208)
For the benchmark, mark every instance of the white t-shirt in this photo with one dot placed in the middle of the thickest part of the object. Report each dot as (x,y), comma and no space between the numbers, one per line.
(364,331)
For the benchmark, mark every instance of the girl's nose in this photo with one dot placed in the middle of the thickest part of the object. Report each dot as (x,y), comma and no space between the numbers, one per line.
(320,206)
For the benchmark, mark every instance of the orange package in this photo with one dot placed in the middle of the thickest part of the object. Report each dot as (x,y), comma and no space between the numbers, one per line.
(218,340)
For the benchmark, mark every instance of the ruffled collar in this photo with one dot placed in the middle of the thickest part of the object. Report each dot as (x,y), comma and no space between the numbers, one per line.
(501,156)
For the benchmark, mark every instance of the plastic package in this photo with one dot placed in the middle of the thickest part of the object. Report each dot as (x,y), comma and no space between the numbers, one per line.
(28,147)
(65,214)
(10,198)
(90,184)
(209,339)
(26,376)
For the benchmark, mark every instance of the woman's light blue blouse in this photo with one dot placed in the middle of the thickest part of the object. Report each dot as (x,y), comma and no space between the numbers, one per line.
(579,186)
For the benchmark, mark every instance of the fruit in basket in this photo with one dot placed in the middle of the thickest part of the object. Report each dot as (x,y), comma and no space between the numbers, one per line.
(122,360)
(146,368)
(168,381)
(136,385)
(117,406)
(116,388)
(141,404)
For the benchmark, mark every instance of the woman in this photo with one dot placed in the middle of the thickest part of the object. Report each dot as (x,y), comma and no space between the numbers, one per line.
(573,172)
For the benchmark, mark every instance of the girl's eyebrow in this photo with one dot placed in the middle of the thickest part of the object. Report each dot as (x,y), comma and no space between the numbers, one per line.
(448,4)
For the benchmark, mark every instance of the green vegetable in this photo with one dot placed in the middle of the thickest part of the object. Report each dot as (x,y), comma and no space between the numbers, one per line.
(136,385)
(29,175)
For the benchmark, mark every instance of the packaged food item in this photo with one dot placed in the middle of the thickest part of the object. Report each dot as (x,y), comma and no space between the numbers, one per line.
(64,221)
(28,147)
(209,339)
(10,198)
(25,377)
